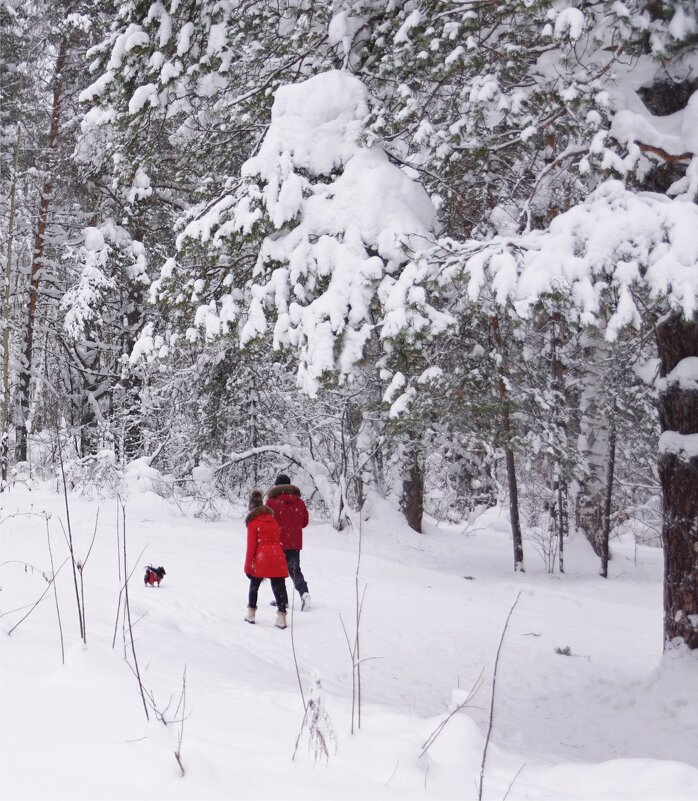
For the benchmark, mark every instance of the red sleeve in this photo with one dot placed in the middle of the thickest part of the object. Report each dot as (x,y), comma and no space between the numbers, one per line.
(304,514)
(251,547)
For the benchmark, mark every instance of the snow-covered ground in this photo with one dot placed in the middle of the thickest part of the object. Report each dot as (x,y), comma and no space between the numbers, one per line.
(613,720)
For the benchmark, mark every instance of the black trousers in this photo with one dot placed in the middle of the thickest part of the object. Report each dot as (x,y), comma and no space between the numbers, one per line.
(293,560)
(278,587)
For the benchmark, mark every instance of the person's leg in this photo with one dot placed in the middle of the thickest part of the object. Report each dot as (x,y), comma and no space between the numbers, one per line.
(278,587)
(254,589)
(293,560)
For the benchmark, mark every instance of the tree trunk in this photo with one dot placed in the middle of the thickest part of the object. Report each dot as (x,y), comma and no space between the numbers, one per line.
(563,524)
(609,495)
(516,535)
(594,442)
(559,486)
(677,340)
(4,423)
(413,491)
(514,507)
(25,373)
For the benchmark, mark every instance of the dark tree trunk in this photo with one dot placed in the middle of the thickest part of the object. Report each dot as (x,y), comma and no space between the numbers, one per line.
(413,492)
(516,535)
(514,510)
(606,534)
(677,339)
(563,522)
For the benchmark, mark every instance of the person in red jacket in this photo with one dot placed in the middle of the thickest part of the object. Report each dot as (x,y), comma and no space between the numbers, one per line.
(291,514)
(264,558)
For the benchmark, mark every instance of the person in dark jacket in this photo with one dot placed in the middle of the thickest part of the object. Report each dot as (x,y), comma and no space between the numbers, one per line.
(264,558)
(291,514)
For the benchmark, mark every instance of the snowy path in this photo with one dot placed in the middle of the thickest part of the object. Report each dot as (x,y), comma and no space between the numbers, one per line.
(427,629)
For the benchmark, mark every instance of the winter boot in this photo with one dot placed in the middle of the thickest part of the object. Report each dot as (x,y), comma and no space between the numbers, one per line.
(280,620)
(305,602)
(249,617)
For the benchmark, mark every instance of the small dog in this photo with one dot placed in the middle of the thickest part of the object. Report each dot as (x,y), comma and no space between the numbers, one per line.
(154,575)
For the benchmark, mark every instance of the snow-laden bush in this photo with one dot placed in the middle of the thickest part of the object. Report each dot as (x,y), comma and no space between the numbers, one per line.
(94,476)
(202,499)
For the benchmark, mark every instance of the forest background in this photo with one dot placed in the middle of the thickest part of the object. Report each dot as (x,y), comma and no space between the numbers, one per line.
(443,252)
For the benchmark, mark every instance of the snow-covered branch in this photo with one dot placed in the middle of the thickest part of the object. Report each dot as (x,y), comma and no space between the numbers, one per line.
(318,473)
(598,253)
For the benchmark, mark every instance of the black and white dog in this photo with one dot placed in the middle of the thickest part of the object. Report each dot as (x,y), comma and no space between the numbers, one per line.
(154,575)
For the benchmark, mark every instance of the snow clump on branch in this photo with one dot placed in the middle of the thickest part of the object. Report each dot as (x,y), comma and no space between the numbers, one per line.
(610,251)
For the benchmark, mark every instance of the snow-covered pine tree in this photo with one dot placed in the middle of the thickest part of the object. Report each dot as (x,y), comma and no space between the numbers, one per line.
(328,219)
(55,36)
(180,96)
(511,101)
(491,104)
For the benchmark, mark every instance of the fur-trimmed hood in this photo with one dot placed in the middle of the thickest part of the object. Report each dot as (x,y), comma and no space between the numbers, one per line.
(281,489)
(257,511)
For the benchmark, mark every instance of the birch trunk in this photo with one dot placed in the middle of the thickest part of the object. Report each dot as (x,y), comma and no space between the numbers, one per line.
(594,444)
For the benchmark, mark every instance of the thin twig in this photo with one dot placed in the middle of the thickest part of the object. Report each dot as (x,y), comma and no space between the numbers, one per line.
(437,731)
(494,684)
(55,593)
(511,783)
(392,775)
(127,607)
(36,603)
(118,546)
(295,658)
(81,568)
(353,672)
(123,586)
(300,734)
(180,733)
(359,607)
(70,535)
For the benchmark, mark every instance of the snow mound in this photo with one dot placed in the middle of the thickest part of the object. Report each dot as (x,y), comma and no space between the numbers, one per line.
(139,476)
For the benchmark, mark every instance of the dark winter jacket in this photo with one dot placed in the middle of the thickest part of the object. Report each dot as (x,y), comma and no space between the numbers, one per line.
(264,558)
(291,514)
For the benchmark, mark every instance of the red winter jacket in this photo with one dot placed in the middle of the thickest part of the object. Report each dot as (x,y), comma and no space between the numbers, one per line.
(264,558)
(291,514)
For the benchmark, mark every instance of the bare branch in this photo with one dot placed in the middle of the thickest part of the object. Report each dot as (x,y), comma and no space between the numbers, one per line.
(663,154)
(494,684)
(437,731)
(34,605)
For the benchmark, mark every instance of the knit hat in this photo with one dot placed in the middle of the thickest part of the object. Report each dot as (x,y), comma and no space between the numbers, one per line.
(282,478)
(256,499)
